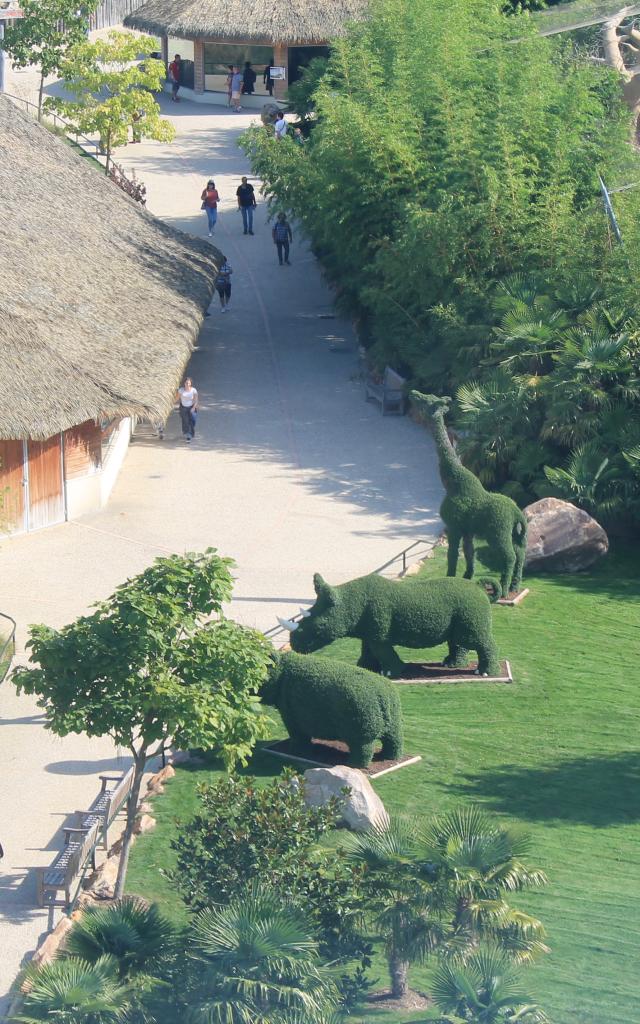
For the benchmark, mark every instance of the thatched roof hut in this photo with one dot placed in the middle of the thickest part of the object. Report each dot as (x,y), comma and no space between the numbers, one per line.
(100,303)
(294,22)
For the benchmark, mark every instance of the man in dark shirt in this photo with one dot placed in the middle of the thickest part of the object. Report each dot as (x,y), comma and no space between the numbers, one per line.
(246,205)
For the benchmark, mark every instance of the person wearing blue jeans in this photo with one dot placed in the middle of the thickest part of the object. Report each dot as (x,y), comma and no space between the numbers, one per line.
(246,204)
(282,236)
(210,200)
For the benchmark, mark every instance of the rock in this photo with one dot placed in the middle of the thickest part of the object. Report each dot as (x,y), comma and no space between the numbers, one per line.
(144,823)
(269,112)
(361,809)
(47,950)
(562,538)
(103,882)
(157,781)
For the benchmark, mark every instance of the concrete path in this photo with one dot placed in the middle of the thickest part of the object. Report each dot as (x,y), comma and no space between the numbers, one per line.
(291,472)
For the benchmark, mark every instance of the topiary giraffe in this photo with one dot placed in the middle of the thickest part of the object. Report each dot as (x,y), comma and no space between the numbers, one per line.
(469,511)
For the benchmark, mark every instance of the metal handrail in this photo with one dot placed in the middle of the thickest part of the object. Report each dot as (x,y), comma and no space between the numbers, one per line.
(69,128)
(402,555)
(9,647)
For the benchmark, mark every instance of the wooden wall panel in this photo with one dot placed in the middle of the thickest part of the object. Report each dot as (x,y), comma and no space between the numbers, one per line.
(46,491)
(12,491)
(82,450)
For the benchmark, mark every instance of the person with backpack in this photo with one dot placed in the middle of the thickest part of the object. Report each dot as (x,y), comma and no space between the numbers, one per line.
(282,235)
(246,204)
(210,200)
(223,285)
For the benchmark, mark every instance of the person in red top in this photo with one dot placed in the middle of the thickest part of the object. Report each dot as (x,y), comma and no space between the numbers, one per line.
(210,200)
(174,76)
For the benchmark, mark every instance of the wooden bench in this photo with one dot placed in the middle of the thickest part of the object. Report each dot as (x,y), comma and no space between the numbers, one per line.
(109,801)
(68,869)
(389,392)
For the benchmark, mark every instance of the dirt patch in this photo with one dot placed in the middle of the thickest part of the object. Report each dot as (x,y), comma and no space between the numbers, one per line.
(434,673)
(329,753)
(412,1001)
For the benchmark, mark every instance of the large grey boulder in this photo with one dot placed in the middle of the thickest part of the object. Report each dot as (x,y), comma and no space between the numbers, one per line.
(561,537)
(360,809)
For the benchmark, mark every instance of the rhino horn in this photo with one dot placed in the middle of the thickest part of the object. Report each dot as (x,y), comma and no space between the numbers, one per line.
(305,613)
(288,624)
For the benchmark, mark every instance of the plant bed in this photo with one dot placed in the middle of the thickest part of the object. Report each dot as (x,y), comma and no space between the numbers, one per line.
(515,597)
(330,753)
(434,673)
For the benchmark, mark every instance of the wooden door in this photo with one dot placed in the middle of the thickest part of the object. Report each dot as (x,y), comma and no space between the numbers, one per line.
(12,518)
(46,489)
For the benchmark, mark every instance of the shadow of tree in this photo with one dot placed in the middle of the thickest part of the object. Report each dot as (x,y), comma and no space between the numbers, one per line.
(598,791)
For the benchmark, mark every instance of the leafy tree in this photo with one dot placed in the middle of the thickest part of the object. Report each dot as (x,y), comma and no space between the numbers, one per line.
(258,963)
(72,991)
(403,905)
(44,35)
(484,990)
(244,831)
(480,862)
(155,661)
(113,90)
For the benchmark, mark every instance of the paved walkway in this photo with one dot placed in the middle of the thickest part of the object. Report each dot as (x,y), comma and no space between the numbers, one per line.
(291,472)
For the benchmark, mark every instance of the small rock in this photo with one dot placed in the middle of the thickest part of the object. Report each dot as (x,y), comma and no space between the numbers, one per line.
(360,809)
(45,953)
(144,823)
(561,537)
(103,882)
(145,807)
(161,777)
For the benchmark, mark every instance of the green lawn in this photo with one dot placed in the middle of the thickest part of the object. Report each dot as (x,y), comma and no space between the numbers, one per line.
(556,752)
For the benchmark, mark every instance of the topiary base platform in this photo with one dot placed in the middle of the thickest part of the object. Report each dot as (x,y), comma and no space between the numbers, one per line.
(434,673)
(330,753)
(514,598)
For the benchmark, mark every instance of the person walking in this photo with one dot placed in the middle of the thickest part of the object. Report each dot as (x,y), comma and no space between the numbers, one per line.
(188,405)
(280,126)
(236,89)
(267,79)
(229,84)
(210,200)
(282,236)
(248,79)
(223,285)
(246,205)
(175,70)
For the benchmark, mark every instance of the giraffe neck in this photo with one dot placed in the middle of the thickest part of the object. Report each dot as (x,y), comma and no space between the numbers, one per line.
(452,472)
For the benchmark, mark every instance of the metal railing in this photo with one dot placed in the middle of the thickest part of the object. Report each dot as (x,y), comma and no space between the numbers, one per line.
(57,121)
(7,643)
(424,546)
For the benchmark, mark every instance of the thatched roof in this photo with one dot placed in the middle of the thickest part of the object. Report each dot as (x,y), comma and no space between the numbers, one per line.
(244,21)
(100,303)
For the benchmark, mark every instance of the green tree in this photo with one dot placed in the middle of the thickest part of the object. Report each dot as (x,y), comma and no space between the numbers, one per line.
(136,935)
(481,862)
(113,90)
(484,990)
(155,661)
(258,963)
(44,35)
(403,905)
(244,831)
(73,991)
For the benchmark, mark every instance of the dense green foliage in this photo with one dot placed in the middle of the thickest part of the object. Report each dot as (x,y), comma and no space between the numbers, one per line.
(156,661)
(469,511)
(335,701)
(243,831)
(382,613)
(443,159)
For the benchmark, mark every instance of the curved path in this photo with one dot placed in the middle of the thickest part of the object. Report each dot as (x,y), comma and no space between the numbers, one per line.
(291,472)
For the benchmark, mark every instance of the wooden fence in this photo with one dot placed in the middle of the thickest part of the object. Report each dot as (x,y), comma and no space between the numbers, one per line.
(112,12)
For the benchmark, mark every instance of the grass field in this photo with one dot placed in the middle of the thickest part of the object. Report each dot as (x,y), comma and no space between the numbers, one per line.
(556,752)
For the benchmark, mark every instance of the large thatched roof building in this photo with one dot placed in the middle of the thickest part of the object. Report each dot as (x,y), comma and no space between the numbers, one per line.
(100,307)
(211,34)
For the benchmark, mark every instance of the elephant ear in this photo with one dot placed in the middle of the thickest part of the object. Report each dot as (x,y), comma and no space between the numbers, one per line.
(323,590)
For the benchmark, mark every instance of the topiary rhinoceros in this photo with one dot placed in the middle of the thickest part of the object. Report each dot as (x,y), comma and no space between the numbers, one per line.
(410,613)
(331,700)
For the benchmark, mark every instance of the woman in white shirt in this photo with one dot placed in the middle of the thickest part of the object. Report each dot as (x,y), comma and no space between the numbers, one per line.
(188,405)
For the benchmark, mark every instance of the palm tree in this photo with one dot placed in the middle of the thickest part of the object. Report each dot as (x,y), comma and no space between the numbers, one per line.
(405,908)
(486,990)
(258,965)
(481,861)
(71,991)
(134,933)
